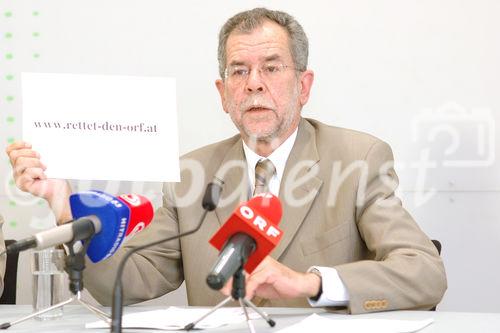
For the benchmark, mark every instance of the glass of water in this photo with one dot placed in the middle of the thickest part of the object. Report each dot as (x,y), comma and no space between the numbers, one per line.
(49,287)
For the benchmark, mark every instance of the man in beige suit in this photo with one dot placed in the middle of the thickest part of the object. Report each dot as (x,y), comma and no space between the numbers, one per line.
(347,240)
(3,258)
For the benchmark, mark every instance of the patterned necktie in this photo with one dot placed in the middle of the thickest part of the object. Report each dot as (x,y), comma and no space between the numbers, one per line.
(264,170)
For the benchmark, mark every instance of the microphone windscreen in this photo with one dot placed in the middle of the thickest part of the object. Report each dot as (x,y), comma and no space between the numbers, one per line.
(114,218)
(141,212)
(268,206)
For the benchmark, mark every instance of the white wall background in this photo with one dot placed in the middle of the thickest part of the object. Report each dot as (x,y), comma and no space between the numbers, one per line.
(381,66)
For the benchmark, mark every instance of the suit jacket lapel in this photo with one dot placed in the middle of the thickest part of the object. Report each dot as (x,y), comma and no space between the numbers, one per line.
(233,175)
(299,185)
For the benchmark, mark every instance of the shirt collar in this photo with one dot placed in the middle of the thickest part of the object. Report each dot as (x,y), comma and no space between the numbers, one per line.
(278,157)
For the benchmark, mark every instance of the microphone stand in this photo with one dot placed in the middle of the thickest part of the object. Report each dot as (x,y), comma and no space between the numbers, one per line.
(74,266)
(209,203)
(238,294)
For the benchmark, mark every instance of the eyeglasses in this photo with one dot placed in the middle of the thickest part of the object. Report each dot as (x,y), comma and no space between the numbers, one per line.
(237,74)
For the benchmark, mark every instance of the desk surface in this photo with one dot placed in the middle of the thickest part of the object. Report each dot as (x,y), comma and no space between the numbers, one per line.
(75,317)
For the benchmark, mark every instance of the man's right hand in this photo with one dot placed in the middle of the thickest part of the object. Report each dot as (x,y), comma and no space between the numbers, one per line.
(29,175)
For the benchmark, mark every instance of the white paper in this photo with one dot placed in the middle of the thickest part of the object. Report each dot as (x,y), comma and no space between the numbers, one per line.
(318,324)
(174,318)
(102,127)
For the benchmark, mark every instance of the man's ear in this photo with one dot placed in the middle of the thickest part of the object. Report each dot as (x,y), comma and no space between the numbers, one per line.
(306,82)
(219,84)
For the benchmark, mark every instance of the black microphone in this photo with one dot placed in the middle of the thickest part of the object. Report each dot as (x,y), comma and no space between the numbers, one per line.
(211,197)
(209,203)
(233,256)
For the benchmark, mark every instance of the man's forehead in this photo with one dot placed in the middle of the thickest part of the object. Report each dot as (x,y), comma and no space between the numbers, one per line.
(266,41)
(264,55)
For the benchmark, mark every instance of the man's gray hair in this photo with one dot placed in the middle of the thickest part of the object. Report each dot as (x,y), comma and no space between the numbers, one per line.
(247,21)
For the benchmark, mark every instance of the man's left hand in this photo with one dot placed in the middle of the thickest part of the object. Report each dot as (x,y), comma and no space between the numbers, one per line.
(273,280)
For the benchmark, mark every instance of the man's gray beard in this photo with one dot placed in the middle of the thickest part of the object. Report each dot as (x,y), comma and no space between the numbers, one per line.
(273,138)
(269,138)
(252,137)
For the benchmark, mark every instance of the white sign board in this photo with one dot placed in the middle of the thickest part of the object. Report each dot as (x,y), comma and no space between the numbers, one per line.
(102,127)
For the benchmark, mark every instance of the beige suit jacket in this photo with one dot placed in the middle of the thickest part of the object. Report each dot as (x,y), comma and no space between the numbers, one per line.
(3,258)
(330,218)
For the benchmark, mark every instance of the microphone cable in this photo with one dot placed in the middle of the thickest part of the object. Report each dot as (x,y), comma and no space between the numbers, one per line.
(209,203)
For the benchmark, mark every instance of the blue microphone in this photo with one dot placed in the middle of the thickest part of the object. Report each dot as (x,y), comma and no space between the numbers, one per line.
(103,218)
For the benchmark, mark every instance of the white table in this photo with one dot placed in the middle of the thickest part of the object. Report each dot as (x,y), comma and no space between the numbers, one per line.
(75,317)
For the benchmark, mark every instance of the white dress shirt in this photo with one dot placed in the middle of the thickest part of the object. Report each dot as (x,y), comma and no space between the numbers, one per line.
(334,291)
